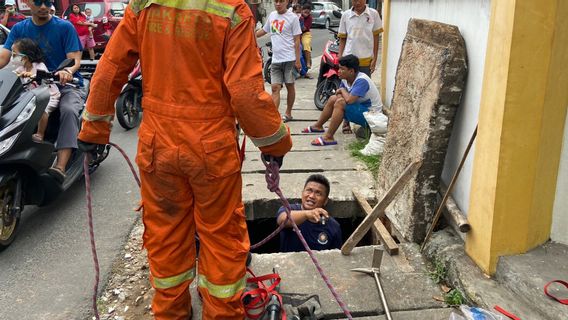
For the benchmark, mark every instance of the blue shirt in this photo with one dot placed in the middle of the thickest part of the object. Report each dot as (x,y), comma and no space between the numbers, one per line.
(364,88)
(318,236)
(56,38)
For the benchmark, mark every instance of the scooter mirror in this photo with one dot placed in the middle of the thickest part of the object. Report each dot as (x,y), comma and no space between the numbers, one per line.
(66,64)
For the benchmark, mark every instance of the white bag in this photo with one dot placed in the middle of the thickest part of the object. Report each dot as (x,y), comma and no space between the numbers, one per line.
(375,146)
(377,120)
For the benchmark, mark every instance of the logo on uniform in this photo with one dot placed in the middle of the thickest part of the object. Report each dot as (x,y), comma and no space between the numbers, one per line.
(323,238)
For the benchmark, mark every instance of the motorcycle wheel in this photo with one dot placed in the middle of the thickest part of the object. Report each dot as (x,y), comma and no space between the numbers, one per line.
(127,111)
(325,89)
(8,225)
(266,71)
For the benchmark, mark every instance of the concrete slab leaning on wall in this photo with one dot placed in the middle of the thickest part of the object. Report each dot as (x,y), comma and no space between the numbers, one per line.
(430,80)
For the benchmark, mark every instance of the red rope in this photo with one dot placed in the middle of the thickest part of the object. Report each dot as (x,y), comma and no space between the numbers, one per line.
(91,232)
(273,183)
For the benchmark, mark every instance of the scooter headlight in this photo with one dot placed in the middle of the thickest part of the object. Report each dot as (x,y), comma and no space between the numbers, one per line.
(6,144)
(20,119)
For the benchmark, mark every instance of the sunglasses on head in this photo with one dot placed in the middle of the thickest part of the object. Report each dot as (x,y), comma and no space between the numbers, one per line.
(48,3)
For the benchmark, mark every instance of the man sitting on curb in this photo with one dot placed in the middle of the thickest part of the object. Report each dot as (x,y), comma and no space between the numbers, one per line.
(356,95)
(321,231)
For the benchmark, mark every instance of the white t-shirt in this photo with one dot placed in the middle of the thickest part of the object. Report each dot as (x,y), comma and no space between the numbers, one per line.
(282,29)
(366,91)
(359,31)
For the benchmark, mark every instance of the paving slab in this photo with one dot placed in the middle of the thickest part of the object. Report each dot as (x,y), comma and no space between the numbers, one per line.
(527,274)
(261,203)
(302,143)
(404,289)
(478,288)
(306,161)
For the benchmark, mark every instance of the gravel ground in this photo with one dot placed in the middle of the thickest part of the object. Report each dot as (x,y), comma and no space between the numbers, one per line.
(128,294)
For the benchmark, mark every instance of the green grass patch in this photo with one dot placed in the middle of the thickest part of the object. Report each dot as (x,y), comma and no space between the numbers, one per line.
(454,298)
(438,273)
(372,162)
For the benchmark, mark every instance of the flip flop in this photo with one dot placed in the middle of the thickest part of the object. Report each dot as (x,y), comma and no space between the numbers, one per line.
(310,129)
(37,138)
(346,129)
(286,118)
(320,142)
(57,173)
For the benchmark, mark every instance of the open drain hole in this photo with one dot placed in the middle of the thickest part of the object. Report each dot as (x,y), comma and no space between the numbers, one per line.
(261,228)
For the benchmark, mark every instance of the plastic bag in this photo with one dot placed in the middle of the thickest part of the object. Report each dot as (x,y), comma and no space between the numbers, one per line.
(377,120)
(475,313)
(375,146)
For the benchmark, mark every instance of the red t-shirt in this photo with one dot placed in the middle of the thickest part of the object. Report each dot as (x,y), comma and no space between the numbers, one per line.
(81,29)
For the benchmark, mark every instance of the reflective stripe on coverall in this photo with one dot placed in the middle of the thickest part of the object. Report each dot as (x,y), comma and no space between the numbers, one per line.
(202,70)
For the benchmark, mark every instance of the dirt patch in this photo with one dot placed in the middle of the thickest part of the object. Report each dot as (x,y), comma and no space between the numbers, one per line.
(128,294)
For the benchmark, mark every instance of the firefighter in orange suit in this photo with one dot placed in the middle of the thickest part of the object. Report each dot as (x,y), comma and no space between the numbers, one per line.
(202,69)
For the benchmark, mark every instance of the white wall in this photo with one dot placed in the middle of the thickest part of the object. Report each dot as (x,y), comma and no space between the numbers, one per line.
(559,231)
(472,18)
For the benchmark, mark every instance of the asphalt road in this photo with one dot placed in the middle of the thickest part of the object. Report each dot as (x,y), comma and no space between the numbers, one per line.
(48,272)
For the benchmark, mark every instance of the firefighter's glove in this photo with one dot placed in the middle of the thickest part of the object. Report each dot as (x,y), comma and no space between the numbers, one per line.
(268,158)
(86,147)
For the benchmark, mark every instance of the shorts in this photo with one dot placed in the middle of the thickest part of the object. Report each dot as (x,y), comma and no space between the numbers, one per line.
(307,41)
(354,113)
(87,42)
(282,72)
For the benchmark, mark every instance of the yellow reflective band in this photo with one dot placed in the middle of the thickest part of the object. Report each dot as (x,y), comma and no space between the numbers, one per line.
(170,282)
(210,6)
(270,140)
(221,291)
(95,117)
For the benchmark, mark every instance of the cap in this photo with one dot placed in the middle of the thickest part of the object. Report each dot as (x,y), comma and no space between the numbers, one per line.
(10,2)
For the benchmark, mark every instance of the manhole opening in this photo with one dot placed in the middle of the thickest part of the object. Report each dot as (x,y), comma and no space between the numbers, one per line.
(260,228)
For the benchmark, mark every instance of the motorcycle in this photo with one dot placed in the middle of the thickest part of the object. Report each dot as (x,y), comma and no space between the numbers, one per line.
(24,164)
(266,64)
(328,77)
(129,102)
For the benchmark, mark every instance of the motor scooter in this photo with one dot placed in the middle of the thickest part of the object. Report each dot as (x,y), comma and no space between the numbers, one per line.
(24,163)
(328,77)
(129,102)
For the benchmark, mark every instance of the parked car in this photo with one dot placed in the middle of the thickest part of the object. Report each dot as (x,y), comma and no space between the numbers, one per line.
(106,13)
(322,14)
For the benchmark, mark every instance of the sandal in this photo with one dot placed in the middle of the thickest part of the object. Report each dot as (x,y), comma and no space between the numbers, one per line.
(311,129)
(346,129)
(320,142)
(57,173)
(286,118)
(37,138)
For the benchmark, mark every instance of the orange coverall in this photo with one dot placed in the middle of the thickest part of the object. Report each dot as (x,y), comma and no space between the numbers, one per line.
(202,69)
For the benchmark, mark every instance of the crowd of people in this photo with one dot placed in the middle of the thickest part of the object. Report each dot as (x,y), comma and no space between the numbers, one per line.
(190,171)
(358,34)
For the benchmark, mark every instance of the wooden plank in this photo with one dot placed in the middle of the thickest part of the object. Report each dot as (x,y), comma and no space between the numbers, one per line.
(454,212)
(381,231)
(380,208)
